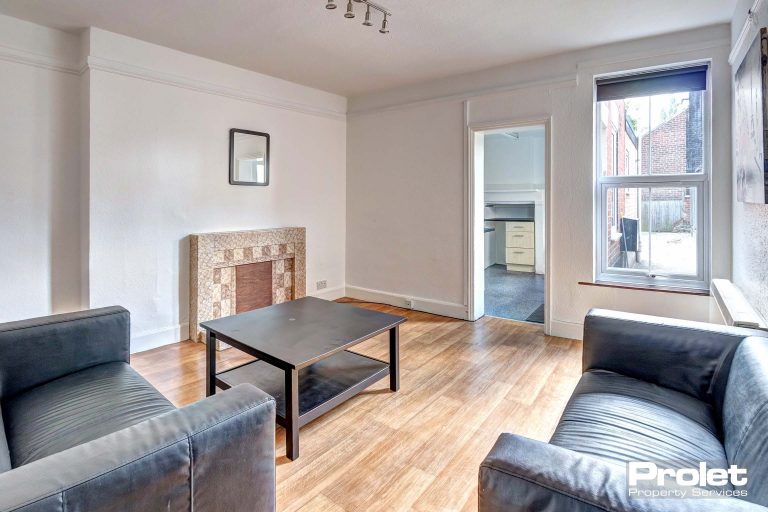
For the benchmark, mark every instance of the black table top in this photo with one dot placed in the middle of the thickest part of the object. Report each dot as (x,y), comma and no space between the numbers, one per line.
(302,331)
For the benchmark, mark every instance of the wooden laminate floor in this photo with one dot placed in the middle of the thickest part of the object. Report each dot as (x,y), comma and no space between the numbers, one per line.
(462,384)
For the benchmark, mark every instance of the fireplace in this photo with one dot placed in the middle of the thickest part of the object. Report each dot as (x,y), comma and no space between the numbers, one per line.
(237,271)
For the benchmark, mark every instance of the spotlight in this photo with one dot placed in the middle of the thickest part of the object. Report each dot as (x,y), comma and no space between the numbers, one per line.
(349,12)
(384,29)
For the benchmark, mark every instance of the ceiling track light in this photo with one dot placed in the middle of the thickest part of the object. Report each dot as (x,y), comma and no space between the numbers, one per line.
(384,29)
(369,6)
(350,10)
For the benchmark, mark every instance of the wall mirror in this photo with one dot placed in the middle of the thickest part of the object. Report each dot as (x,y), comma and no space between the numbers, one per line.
(248,158)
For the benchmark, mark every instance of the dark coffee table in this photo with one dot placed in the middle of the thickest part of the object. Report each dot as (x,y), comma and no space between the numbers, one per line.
(303,359)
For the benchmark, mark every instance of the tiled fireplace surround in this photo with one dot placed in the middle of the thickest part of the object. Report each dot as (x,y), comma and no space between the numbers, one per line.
(212,269)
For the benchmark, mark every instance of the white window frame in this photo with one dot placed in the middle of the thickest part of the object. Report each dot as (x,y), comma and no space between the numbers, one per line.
(700,181)
(626,161)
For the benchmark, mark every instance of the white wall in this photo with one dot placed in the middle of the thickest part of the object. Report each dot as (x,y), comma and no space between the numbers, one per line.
(39,171)
(515,162)
(396,156)
(750,221)
(405,186)
(159,172)
(115,150)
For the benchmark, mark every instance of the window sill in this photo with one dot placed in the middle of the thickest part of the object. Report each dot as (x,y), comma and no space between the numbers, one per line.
(664,289)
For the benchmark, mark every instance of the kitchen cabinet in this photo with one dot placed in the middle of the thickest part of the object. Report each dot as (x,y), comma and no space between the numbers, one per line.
(520,246)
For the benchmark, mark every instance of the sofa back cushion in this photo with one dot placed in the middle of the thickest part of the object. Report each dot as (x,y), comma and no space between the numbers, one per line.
(745,416)
(5,456)
(39,350)
(690,357)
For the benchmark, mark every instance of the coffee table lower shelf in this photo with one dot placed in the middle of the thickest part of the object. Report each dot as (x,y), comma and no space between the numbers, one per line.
(322,385)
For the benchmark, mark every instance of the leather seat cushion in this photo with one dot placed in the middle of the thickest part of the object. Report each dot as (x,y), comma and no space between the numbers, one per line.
(621,419)
(78,408)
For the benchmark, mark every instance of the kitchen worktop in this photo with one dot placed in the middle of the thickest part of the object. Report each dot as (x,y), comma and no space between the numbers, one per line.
(510,219)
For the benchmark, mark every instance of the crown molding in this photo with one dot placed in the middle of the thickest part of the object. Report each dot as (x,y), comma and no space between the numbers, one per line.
(121,68)
(19,56)
(560,82)
(591,65)
(743,40)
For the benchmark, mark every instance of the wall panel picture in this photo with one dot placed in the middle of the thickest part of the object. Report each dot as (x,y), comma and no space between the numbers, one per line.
(751,118)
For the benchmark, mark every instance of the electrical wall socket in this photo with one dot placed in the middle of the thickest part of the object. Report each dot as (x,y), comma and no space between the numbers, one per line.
(409,303)
(322,284)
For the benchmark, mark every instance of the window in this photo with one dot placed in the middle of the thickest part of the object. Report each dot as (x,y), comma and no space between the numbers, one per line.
(652,205)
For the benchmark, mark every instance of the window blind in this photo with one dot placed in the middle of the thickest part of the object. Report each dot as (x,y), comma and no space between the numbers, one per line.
(655,82)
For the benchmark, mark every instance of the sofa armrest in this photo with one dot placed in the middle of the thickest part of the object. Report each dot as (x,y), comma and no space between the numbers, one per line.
(690,357)
(523,475)
(216,454)
(39,350)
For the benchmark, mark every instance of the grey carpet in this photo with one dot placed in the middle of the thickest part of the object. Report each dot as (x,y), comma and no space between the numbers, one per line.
(513,295)
(537,316)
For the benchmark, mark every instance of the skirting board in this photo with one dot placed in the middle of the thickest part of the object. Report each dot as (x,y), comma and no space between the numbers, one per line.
(561,329)
(148,340)
(154,338)
(329,294)
(436,307)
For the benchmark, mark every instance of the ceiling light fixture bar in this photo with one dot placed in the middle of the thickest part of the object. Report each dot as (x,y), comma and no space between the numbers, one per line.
(369,5)
(374,5)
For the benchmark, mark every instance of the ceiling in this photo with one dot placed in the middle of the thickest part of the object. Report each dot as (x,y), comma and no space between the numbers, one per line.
(301,41)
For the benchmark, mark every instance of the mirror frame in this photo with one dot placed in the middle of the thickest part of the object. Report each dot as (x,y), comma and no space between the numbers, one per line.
(232,180)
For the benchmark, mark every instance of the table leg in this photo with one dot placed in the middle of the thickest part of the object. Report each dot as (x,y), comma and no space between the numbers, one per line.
(292,413)
(210,363)
(394,358)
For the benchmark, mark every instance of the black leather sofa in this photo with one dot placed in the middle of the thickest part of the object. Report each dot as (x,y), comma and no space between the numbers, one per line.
(81,430)
(656,390)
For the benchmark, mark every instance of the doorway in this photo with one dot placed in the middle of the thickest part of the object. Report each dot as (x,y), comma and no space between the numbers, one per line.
(509,173)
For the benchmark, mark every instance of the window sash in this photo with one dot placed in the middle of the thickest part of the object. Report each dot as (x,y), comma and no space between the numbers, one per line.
(642,276)
(653,179)
(656,172)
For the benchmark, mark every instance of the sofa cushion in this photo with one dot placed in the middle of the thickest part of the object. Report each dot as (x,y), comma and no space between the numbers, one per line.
(78,408)
(745,416)
(621,419)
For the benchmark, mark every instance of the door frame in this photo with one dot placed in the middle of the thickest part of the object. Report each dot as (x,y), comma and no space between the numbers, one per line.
(475,266)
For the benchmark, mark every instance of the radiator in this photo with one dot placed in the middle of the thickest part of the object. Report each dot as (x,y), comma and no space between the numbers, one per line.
(734,307)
